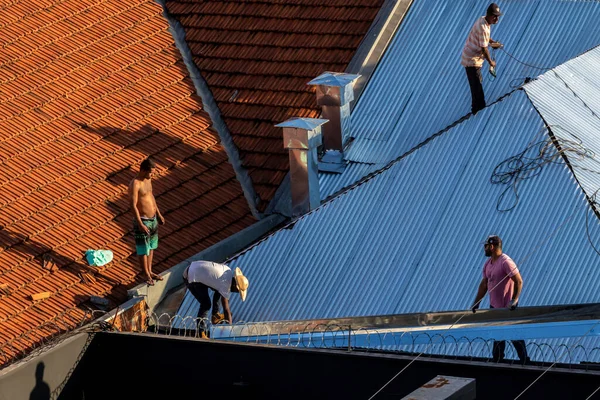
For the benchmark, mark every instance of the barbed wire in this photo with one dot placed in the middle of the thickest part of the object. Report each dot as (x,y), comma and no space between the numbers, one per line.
(345,337)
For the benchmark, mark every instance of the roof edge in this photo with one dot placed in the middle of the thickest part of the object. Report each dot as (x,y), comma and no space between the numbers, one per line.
(210,106)
(375,43)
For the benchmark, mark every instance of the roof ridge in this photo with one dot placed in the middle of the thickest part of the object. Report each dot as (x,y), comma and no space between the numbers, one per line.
(410,151)
(371,175)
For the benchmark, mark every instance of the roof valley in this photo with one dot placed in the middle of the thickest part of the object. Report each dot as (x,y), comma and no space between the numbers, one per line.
(210,106)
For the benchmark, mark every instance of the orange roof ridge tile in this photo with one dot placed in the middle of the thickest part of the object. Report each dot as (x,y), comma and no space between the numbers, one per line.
(80,167)
(82,103)
(96,39)
(87,64)
(28,12)
(106,94)
(35,12)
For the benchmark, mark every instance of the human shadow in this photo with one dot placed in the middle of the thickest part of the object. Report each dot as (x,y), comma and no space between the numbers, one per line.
(41,391)
(167,152)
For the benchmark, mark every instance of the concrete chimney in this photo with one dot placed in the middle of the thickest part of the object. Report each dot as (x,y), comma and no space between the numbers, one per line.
(302,136)
(335,91)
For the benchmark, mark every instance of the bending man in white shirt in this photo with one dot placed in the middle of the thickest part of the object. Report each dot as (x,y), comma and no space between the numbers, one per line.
(201,276)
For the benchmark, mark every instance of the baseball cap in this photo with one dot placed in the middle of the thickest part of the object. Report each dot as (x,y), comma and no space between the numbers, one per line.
(493,9)
(493,239)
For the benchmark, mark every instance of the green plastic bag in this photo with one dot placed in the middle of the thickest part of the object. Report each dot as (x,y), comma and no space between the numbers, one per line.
(98,258)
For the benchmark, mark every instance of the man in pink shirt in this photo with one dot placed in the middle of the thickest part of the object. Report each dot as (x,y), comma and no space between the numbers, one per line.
(476,52)
(501,278)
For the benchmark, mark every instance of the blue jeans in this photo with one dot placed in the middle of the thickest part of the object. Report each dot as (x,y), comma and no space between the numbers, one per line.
(200,292)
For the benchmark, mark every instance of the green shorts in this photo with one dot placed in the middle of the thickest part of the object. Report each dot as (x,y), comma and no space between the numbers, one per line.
(144,243)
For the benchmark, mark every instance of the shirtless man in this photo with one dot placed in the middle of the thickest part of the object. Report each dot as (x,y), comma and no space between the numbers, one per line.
(146,218)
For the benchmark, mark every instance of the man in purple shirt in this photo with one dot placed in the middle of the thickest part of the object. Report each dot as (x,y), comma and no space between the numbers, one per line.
(501,278)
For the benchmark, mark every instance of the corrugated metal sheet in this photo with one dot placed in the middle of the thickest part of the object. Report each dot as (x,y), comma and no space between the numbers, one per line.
(568,98)
(420,87)
(409,239)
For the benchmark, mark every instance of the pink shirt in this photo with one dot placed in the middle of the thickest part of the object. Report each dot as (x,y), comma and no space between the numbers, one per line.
(479,37)
(498,274)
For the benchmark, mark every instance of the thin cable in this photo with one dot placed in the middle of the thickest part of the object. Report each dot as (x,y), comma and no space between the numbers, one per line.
(593,393)
(530,162)
(524,63)
(556,361)
(522,261)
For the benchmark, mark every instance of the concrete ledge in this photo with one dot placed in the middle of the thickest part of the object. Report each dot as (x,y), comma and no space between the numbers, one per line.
(172,278)
(52,367)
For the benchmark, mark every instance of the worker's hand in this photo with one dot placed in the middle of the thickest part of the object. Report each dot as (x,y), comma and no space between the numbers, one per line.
(145,229)
(497,45)
(161,220)
(475,307)
(513,304)
(492,64)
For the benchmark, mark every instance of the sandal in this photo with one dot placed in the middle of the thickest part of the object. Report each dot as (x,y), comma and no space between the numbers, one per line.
(157,277)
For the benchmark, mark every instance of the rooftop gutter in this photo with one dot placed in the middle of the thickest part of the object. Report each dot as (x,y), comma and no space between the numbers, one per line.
(433,320)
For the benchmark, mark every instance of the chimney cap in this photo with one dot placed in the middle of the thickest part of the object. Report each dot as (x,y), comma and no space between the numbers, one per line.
(308,124)
(339,79)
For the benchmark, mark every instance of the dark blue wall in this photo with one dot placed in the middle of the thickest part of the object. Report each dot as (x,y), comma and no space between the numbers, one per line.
(137,366)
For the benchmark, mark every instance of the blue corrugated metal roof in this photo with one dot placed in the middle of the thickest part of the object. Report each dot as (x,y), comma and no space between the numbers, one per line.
(568,98)
(420,87)
(409,239)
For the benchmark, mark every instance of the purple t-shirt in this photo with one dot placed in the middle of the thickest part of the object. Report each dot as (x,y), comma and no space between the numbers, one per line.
(498,274)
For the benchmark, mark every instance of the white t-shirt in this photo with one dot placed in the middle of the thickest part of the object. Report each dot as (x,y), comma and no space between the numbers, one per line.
(214,275)
(479,37)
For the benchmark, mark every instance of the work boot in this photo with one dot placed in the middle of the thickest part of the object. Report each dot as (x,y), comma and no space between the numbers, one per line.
(217,318)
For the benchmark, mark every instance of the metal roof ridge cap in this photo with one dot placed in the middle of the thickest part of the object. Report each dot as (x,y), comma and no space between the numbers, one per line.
(375,43)
(370,176)
(210,106)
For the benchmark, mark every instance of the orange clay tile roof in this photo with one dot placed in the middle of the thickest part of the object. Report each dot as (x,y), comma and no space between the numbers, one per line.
(88,89)
(258,55)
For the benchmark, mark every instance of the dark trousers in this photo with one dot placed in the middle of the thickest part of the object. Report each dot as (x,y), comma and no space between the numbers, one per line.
(477,96)
(500,345)
(200,292)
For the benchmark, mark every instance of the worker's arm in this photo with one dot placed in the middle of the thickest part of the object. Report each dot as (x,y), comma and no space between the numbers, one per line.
(481,291)
(518,282)
(226,310)
(495,44)
(134,189)
(486,55)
